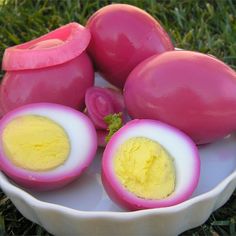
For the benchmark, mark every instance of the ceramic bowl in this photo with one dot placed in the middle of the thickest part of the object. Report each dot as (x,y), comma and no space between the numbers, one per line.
(83,207)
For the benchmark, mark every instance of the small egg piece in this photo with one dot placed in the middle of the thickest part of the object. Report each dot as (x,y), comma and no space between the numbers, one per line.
(46,146)
(149,164)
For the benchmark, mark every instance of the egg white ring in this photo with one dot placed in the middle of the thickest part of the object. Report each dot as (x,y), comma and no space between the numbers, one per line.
(81,134)
(177,144)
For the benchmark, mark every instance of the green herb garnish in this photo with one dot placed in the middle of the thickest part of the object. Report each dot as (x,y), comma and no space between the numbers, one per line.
(114,122)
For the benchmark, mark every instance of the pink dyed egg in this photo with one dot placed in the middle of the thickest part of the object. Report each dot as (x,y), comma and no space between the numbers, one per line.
(53,68)
(122,37)
(30,130)
(101,137)
(192,91)
(181,149)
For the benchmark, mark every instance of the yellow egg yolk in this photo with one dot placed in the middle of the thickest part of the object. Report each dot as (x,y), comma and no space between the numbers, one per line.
(35,143)
(145,168)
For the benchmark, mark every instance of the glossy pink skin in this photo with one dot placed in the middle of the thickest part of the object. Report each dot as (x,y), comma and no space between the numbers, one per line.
(64,84)
(101,136)
(126,199)
(1,110)
(101,102)
(70,41)
(122,37)
(42,181)
(194,92)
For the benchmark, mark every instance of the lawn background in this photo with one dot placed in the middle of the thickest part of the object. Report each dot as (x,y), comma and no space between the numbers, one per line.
(205,26)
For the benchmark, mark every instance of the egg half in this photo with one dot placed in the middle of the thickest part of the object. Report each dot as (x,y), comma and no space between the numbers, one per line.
(45,146)
(148,164)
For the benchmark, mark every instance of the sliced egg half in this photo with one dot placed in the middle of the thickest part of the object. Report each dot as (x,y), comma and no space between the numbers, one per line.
(148,164)
(45,146)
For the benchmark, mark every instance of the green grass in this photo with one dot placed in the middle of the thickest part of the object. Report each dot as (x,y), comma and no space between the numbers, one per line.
(205,26)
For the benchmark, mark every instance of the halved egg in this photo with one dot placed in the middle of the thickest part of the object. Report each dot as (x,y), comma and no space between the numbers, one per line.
(148,164)
(45,146)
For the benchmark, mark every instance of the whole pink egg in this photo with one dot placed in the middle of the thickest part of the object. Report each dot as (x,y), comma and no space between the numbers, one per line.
(53,68)
(189,90)
(122,37)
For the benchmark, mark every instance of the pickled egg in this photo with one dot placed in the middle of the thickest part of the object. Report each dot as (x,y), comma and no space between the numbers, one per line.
(46,146)
(149,164)
(122,36)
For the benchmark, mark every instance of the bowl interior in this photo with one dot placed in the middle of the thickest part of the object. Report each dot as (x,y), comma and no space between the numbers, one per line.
(87,193)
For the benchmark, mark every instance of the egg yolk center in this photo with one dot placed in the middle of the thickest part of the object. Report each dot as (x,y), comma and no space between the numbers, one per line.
(145,168)
(35,143)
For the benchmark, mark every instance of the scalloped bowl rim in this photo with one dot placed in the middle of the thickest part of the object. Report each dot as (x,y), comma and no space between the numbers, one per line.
(121,215)
(11,189)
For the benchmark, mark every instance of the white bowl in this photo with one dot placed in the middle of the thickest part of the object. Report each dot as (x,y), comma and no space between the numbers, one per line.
(83,207)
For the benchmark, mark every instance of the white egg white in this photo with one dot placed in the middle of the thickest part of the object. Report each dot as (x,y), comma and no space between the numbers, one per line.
(79,134)
(180,147)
